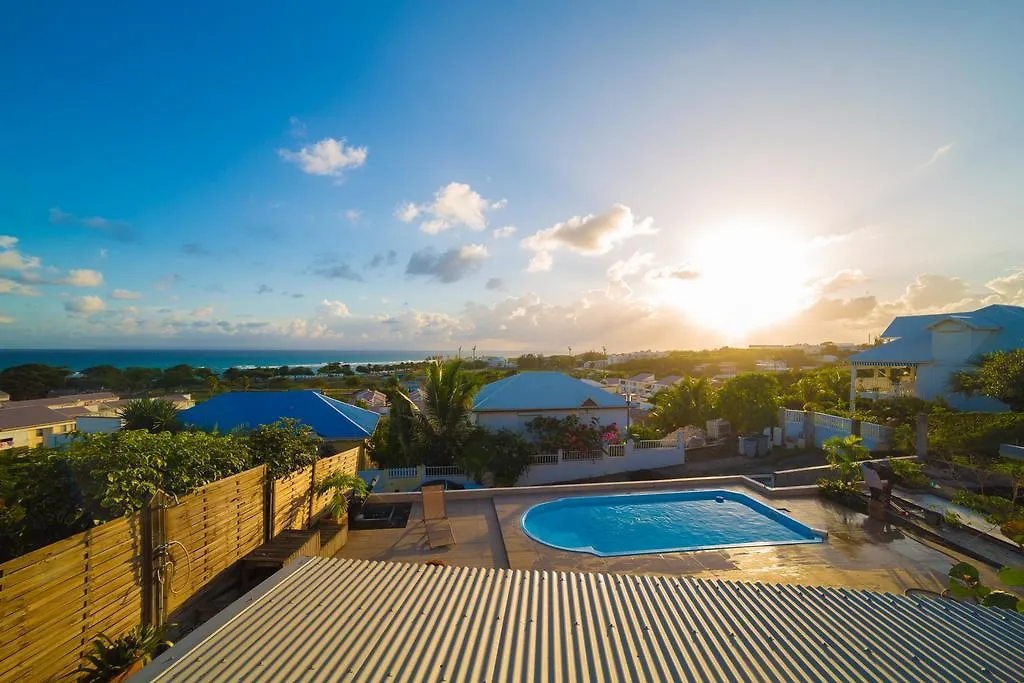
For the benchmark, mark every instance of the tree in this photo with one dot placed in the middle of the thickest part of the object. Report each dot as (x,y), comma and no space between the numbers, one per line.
(32,380)
(690,402)
(998,375)
(845,454)
(140,379)
(334,368)
(750,401)
(177,377)
(448,392)
(818,389)
(284,446)
(152,414)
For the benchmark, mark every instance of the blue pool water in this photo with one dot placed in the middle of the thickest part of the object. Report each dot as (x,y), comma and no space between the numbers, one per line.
(640,523)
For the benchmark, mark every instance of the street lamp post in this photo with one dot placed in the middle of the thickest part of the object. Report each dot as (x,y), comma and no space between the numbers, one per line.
(629,404)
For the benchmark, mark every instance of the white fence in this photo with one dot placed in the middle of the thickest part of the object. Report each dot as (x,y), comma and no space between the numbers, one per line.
(550,468)
(818,427)
(403,479)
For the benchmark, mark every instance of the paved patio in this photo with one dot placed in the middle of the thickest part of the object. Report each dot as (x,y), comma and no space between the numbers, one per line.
(859,552)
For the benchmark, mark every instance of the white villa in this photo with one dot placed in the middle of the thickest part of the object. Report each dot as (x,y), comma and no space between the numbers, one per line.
(646,385)
(513,401)
(920,353)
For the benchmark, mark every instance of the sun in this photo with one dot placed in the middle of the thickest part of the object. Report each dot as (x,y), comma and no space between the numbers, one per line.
(743,277)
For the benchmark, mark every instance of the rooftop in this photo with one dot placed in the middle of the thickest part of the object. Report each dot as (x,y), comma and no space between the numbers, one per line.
(16,417)
(68,400)
(329,418)
(542,391)
(371,621)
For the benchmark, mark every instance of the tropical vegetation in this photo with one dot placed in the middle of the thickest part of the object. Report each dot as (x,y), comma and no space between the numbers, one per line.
(110,659)
(338,485)
(155,415)
(998,375)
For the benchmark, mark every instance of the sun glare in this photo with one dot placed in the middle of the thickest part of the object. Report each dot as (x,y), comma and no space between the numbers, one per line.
(747,277)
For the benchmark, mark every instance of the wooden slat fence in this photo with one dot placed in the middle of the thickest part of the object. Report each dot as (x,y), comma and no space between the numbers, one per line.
(208,531)
(295,505)
(346,461)
(291,500)
(55,600)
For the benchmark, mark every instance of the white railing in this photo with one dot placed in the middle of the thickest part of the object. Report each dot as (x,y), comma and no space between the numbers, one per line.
(616,450)
(544,459)
(795,416)
(869,431)
(403,472)
(432,471)
(840,424)
(570,456)
(655,443)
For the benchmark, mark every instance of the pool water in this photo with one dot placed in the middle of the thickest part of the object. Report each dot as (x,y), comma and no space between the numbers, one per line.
(675,521)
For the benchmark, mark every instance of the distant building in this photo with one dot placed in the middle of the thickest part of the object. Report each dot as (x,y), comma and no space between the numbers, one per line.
(31,426)
(372,398)
(69,401)
(331,419)
(920,353)
(513,401)
(4,397)
(771,366)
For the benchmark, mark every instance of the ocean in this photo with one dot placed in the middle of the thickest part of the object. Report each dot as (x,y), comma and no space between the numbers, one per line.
(217,360)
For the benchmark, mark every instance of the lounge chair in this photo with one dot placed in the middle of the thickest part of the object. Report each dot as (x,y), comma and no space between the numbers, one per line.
(435,517)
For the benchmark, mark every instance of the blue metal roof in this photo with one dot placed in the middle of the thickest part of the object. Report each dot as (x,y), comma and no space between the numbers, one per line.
(543,391)
(912,337)
(329,418)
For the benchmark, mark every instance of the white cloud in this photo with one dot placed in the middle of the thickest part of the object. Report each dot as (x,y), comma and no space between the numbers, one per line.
(103,252)
(85,305)
(125,294)
(591,235)
(541,262)
(495,284)
(6,320)
(328,157)
(631,266)
(83,277)
(335,309)
(116,229)
(843,279)
(506,231)
(353,216)
(203,312)
(12,259)
(447,266)
(672,273)
(1009,287)
(455,204)
(13,288)
(937,154)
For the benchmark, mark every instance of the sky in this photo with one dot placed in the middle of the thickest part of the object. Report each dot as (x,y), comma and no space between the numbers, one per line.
(519,176)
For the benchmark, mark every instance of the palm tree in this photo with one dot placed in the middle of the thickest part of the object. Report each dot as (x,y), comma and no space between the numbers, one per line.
(448,393)
(152,414)
(689,402)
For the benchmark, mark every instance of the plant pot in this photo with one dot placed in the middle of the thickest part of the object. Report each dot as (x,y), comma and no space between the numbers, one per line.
(333,535)
(129,672)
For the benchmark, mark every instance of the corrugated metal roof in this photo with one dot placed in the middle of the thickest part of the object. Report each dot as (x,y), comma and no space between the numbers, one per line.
(542,391)
(915,348)
(329,418)
(352,620)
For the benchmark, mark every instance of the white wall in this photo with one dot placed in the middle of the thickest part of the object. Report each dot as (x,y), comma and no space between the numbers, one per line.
(634,460)
(516,421)
(97,425)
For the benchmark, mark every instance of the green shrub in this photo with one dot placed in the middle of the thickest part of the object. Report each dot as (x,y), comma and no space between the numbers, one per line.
(909,473)
(965,434)
(838,489)
(504,454)
(997,510)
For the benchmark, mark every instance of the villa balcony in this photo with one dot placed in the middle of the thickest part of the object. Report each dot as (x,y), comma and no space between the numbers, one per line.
(881,387)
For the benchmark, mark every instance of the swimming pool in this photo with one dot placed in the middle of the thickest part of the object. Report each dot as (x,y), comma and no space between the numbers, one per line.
(675,521)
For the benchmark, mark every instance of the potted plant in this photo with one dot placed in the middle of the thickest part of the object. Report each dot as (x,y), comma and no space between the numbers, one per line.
(113,661)
(334,529)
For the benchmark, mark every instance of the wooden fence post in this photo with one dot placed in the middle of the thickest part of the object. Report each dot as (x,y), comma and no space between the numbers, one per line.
(312,494)
(153,539)
(268,506)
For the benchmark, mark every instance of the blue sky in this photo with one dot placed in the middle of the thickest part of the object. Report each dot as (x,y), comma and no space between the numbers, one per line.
(428,175)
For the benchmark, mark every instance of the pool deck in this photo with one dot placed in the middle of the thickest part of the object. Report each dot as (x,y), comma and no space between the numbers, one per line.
(859,552)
